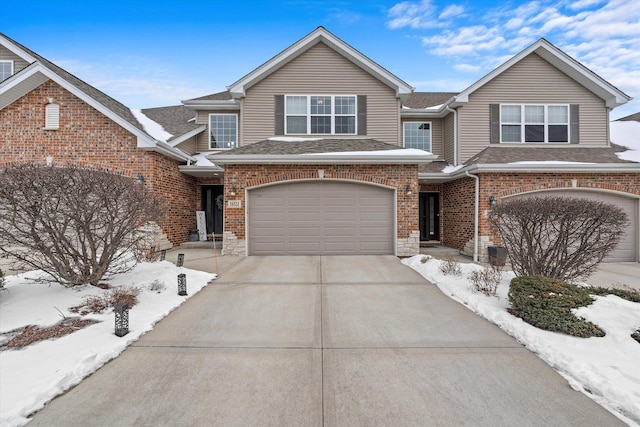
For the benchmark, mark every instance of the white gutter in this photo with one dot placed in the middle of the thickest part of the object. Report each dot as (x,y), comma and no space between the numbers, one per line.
(455,134)
(169,151)
(476,215)
(319,159)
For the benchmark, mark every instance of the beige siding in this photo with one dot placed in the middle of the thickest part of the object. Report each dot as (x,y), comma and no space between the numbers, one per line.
(188,146)
(7,55)
(532,80)
(448,130)
(321,70)
(202,118)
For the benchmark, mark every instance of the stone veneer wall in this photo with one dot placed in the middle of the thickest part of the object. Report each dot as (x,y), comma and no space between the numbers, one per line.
(248,176)
(458,200)
(87,138)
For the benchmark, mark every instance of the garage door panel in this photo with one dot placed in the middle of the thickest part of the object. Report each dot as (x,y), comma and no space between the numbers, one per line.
(627,249)
(321,217)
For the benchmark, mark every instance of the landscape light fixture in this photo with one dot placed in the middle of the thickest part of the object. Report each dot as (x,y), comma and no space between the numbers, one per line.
(182,284)
(121,311)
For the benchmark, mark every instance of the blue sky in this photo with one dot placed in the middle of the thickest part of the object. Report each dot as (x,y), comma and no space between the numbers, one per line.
(155,53)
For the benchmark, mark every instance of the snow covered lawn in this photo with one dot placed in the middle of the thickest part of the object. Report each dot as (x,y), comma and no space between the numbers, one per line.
(606,369)
(33,375)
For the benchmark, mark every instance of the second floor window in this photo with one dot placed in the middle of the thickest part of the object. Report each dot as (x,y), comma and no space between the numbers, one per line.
(320,114)
(6,69)
(223,131)
(417,135)
(534,123)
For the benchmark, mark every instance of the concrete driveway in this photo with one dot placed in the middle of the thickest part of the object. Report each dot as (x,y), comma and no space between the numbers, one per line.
(335,341)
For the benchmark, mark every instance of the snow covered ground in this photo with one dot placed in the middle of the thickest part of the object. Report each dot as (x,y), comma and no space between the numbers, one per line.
(606,369)
(32,376)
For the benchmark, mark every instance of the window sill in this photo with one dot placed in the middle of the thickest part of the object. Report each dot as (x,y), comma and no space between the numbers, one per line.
(51,128)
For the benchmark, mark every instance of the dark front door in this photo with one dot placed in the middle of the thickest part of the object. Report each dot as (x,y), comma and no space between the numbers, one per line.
(429,216)
(211,205)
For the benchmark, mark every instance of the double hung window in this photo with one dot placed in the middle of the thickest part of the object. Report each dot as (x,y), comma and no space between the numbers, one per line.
(534,123)
(320,114)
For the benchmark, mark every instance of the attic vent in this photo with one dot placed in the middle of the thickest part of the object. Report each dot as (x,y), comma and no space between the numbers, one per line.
(52,116)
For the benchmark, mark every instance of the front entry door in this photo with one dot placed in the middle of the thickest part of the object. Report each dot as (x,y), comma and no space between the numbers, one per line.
(212,205)
(429,216)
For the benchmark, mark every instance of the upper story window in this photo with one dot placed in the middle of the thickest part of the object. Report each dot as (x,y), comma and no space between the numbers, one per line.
(320,114)
(534,123)
(223,131)
(51,116)
(6,69)
(417,135)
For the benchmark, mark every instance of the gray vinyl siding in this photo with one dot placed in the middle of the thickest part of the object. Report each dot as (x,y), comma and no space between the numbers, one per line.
(7,55)
(447,132)
(202,118)
(321,70)
(532,80)
(189,146)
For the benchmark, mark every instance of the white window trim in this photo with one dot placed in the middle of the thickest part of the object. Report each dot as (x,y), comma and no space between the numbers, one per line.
(333,114)
(8,61)
(52,116)
(545,123)
(209,129)
(418,121)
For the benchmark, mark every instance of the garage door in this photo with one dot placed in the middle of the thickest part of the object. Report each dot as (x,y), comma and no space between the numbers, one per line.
(320,218)
(627,248)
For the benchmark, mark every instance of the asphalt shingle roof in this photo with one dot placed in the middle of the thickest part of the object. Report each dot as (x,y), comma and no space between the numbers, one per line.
(493,155)
(278,147)
(632,117)
(174,119)
(428,99)
(218,96)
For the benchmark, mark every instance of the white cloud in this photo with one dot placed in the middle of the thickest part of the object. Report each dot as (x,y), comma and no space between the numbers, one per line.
(422,15)
(451,11)
(583,4)
(467,68)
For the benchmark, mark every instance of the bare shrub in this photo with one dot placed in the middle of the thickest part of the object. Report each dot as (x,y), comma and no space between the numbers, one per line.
(31,333)
(77,225)
(105,300)
(450,267)
(425,258)
(486,280)
(157,285)
(1,279)
(557,237)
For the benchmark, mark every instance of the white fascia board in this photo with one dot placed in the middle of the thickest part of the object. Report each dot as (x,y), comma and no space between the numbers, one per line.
(18,85)
(238,88)
(143,139)
(319,159)
(17,50)
(186,136)
(231,104)
(423,113)
(613,96)
(533,168)
(201,171)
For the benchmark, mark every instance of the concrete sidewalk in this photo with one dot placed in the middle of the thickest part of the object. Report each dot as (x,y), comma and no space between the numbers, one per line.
(333,341)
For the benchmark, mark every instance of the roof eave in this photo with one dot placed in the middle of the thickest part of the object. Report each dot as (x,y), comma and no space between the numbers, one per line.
(212,104)
(200,171)
(319,159)
(186,136)
(169,151)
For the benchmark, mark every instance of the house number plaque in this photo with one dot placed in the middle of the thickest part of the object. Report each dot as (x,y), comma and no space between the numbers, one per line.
(234,203)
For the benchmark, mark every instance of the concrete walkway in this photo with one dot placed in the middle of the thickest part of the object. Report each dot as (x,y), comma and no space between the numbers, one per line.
(333,341)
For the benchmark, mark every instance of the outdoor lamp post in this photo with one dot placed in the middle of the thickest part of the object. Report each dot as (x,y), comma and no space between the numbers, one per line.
(182,284)
(121,311)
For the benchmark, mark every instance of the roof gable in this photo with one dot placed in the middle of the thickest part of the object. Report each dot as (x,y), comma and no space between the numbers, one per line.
(319,35)
(578,72)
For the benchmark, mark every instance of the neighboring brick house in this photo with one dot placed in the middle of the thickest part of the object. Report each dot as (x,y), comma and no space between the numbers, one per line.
(322,151)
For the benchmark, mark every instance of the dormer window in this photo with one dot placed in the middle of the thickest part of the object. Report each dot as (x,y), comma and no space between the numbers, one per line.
(320,114)
(6,70)
(51,116)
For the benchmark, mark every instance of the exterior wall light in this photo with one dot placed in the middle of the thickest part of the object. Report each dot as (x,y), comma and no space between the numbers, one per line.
(140,179)
(408,190)
(233,191)
(493,201)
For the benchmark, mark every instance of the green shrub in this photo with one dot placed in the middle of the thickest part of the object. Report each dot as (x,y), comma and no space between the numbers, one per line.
(630,295)
(546,304)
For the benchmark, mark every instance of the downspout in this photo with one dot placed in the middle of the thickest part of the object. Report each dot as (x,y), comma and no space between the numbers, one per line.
(476,216)
(455,134)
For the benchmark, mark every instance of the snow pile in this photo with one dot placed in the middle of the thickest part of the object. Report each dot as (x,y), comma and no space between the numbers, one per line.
(390,153)
(451,168)
(154,129)
(627,134)
(201,159)
(32,376)
(606,369)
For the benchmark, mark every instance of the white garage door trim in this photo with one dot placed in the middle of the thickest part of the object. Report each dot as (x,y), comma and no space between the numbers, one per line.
(632,208)
(388,196)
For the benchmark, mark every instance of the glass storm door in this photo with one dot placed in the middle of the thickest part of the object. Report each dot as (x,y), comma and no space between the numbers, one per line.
(429,216)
